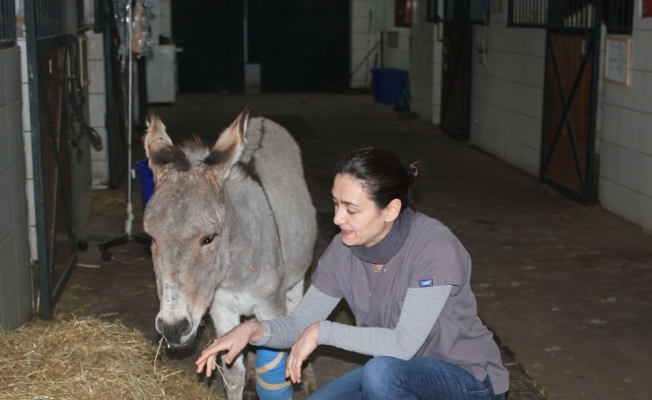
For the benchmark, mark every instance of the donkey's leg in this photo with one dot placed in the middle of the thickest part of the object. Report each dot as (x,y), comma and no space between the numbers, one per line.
(249,392)
(292,299)
(308,381)
(224,320)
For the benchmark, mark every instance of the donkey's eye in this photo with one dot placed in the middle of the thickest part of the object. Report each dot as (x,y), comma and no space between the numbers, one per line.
(208,239)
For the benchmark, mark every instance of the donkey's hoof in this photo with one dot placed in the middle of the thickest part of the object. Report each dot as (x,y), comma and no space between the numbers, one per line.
(249,395)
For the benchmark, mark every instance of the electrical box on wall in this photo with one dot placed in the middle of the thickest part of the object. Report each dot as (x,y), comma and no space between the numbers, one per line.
(403,13)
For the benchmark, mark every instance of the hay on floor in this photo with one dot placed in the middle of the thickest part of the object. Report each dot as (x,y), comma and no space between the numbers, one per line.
(89,358)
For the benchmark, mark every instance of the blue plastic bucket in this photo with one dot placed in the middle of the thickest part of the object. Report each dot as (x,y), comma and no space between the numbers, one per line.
(146,180)
(388,83)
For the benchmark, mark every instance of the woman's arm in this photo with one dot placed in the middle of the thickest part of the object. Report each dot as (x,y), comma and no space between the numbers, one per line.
(281,333)
(421,309)
(233,342)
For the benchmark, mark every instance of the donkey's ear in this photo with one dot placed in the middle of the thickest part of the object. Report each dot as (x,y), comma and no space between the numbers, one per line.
(159,149)
(156,138)
(229,145)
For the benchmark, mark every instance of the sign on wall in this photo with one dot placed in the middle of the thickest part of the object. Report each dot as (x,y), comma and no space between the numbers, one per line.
(618,59)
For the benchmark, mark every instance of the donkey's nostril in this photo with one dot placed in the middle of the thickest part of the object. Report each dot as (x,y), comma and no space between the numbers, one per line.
(175,331)
(184,327)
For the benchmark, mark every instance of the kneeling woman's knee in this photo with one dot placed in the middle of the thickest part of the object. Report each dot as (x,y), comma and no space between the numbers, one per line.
(381,376)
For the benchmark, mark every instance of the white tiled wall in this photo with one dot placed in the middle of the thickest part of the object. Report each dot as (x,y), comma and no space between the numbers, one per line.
(15,276)
(626,143)
(97,107)
(367,26)
(398,57)
(166,18)
(161,19)
(425,66)
(507,92)
(27,140)
(364,37)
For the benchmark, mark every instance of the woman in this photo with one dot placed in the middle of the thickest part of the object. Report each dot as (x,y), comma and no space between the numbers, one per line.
(406,278)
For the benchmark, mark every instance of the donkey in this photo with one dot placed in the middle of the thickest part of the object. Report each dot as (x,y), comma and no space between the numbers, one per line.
(232,227)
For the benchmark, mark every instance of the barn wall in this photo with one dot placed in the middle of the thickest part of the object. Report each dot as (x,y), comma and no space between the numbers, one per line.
(396,50)
(369,21)
(425,66)
(364,37)
(82,190)
(161,19)
(15,282)
(97,108)
(626,143)
(507,92)
(414,49)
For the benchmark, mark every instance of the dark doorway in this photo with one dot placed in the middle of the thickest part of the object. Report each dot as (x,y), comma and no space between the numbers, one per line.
(252,46)
(253,31)
(304,45)
(456,70)
(210,35)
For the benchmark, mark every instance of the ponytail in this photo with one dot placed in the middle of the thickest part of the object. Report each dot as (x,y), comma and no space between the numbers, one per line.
(381,174)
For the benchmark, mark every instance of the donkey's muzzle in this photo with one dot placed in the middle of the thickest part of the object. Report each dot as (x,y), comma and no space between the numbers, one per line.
(175,331)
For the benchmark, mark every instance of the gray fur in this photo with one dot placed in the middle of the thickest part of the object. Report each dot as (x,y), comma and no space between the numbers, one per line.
(256,199)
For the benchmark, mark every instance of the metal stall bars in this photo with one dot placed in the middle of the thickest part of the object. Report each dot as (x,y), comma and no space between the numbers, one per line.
(527,13)
(619,16)
(48,66)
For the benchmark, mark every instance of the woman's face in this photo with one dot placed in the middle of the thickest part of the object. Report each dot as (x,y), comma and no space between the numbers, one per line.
(362,223)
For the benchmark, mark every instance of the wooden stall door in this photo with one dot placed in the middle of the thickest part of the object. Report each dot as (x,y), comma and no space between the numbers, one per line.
(569,115)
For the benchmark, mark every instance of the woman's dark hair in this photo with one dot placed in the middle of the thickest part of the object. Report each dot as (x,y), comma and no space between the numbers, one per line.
(382,175)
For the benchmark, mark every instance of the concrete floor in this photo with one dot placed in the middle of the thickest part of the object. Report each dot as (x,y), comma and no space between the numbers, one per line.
(565,288)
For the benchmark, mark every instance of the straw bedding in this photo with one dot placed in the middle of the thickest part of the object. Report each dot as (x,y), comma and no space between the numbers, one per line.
(89,358)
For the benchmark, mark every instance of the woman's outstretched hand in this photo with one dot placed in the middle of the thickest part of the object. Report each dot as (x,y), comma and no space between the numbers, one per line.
(233,342)
(303,347)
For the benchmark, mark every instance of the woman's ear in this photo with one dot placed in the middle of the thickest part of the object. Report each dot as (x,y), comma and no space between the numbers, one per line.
(392,210)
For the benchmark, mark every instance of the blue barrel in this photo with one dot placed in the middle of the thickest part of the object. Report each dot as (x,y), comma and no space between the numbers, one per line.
(271,383)
(146,180)
(388,83)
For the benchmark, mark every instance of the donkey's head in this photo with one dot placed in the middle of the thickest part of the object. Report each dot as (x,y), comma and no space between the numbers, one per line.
(186,219)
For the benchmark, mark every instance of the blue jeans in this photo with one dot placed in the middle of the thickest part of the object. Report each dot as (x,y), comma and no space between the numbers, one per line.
(418,378)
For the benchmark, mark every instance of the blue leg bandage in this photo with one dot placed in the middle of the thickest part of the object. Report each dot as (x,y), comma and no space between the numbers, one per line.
(270,375)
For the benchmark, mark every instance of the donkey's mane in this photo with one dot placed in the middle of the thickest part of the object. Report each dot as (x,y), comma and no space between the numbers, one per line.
(195,149)
(194,143)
